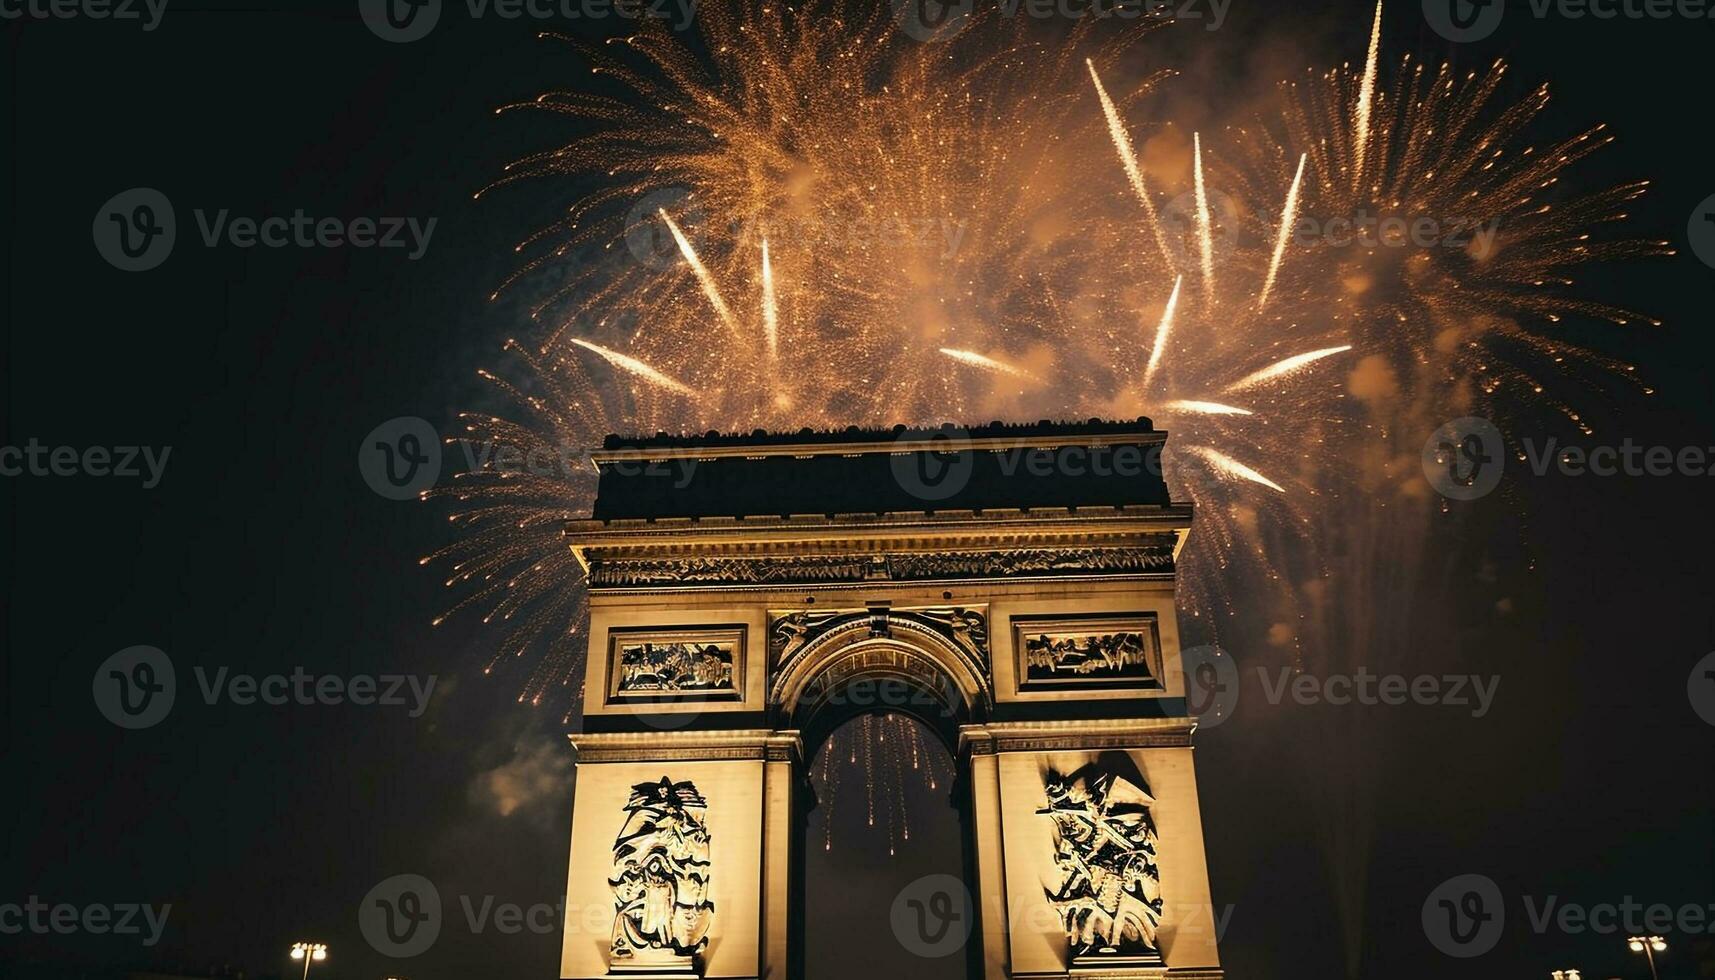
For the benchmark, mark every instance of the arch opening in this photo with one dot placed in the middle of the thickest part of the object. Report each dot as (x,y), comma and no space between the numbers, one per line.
(883,819)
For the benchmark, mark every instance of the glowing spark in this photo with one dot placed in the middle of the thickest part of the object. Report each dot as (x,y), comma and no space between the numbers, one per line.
(1288,215)
(977,360)
(1286,366)
(1205,408)
(770,312)
(1229,467)
(1128,160)
(1205,240)
(702,273)
(1366,98)
(1161,333)
(634,366)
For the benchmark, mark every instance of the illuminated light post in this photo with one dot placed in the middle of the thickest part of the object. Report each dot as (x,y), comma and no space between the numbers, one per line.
(309,953)
(1649,946)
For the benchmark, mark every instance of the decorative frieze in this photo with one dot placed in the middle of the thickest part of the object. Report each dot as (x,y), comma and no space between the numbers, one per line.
(1104,652)
(912,566)
(687,664)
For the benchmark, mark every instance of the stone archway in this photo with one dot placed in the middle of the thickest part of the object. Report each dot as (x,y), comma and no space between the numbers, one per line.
(787,583)
(926,663)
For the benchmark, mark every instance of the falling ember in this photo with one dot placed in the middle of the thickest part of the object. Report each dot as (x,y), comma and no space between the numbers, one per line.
(702,273)
(1366,100)
(634,366)
(988,363)
(1161,330)
(1205,237)
(1229,467)
(770,312)
(1205,408)
(1285,367)
(1288,215)
(1128,160)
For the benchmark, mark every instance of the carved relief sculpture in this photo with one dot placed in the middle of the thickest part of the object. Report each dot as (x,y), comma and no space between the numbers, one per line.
(661,879)
(675,667)
(1094,652)
(1108,889)
(691,663)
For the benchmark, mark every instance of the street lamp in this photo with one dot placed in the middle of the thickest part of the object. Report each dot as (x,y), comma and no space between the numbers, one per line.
(309,952)
(1649,946)
(1566,975)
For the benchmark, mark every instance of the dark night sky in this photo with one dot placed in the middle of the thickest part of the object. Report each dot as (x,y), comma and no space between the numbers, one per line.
(262,549)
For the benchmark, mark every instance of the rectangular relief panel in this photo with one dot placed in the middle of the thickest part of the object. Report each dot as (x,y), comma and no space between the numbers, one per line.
(1107,652)
(677,665)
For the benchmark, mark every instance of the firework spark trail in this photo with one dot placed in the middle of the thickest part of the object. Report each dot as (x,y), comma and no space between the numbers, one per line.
(1128,160)
(770,311)
(1204,408)
(701,272)
(1230,467)
(988,363)
(766,132)
(1366,99)
(1161,330)
(1288,215)
(634,366)
(1205,237)
(1285,367)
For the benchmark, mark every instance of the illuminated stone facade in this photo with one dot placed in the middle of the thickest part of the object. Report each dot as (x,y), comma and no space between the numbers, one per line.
(742,608)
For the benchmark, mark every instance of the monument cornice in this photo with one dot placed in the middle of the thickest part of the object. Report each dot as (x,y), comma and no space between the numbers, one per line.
(1075,735)
(869,533)
(765,744)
